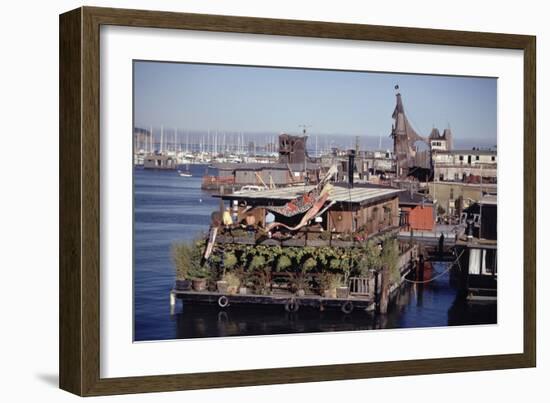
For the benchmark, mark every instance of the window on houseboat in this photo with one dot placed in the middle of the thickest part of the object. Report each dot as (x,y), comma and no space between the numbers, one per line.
(489,262)
(473,264)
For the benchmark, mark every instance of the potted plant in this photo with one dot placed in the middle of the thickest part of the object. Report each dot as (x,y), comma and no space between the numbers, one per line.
(328,283)
(233,282)
(199,277)
(197,271)
(260,275)
(342,291)
(222,286)
(229,262)
(181,257)
(300,284)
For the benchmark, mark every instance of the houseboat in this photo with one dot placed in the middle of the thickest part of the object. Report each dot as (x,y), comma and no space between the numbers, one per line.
(329,245)
(477,250)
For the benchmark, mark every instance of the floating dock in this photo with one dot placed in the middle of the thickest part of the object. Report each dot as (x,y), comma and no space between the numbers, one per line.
(290,302)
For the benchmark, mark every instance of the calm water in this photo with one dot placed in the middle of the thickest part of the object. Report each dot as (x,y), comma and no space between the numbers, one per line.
(169,208)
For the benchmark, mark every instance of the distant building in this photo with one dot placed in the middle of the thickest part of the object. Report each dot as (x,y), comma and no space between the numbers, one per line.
(470,166)
(263,174)
(441,142)
(294,167)
(292,149)
(404,138)
(380,161)
(453,196)
(158,161)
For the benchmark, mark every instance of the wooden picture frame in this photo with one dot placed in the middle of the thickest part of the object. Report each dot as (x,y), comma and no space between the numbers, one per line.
(80,199)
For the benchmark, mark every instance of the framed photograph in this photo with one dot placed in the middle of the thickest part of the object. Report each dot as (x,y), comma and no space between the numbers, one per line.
(248,201)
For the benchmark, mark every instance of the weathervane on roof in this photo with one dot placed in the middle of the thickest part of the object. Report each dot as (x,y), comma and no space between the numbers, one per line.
(304,128)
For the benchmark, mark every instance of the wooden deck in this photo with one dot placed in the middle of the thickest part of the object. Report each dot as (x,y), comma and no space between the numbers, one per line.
(290,302)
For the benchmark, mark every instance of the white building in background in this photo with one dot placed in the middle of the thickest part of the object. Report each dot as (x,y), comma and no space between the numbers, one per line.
(441,142)
(471,166)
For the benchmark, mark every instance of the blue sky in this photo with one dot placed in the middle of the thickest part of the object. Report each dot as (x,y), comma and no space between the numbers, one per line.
(257,99)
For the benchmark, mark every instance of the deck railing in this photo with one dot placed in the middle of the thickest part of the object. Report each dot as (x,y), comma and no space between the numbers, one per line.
(361,285)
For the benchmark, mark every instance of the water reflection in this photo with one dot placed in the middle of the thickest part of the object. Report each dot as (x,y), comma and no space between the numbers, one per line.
(209,321)
(413,306)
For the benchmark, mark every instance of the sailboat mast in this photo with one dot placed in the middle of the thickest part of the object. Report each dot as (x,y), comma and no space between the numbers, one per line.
(161,138)
(150,142)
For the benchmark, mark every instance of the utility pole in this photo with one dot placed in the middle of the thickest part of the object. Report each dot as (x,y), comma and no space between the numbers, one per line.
(304,131)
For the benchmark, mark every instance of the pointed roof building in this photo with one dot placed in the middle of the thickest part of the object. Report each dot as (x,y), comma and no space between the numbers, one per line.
(404,137)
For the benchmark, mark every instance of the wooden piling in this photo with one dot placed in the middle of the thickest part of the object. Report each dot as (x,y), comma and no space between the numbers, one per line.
(385,290)
(420,268)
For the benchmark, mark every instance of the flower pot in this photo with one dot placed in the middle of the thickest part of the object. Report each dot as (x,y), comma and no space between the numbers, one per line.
(232,289)
(199,284)
(222,286)
(300,293)
(243,290)
(342,292)
(183,285)
(330,293)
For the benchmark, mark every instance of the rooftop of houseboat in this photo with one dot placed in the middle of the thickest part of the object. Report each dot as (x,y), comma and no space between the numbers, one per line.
(341,192)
